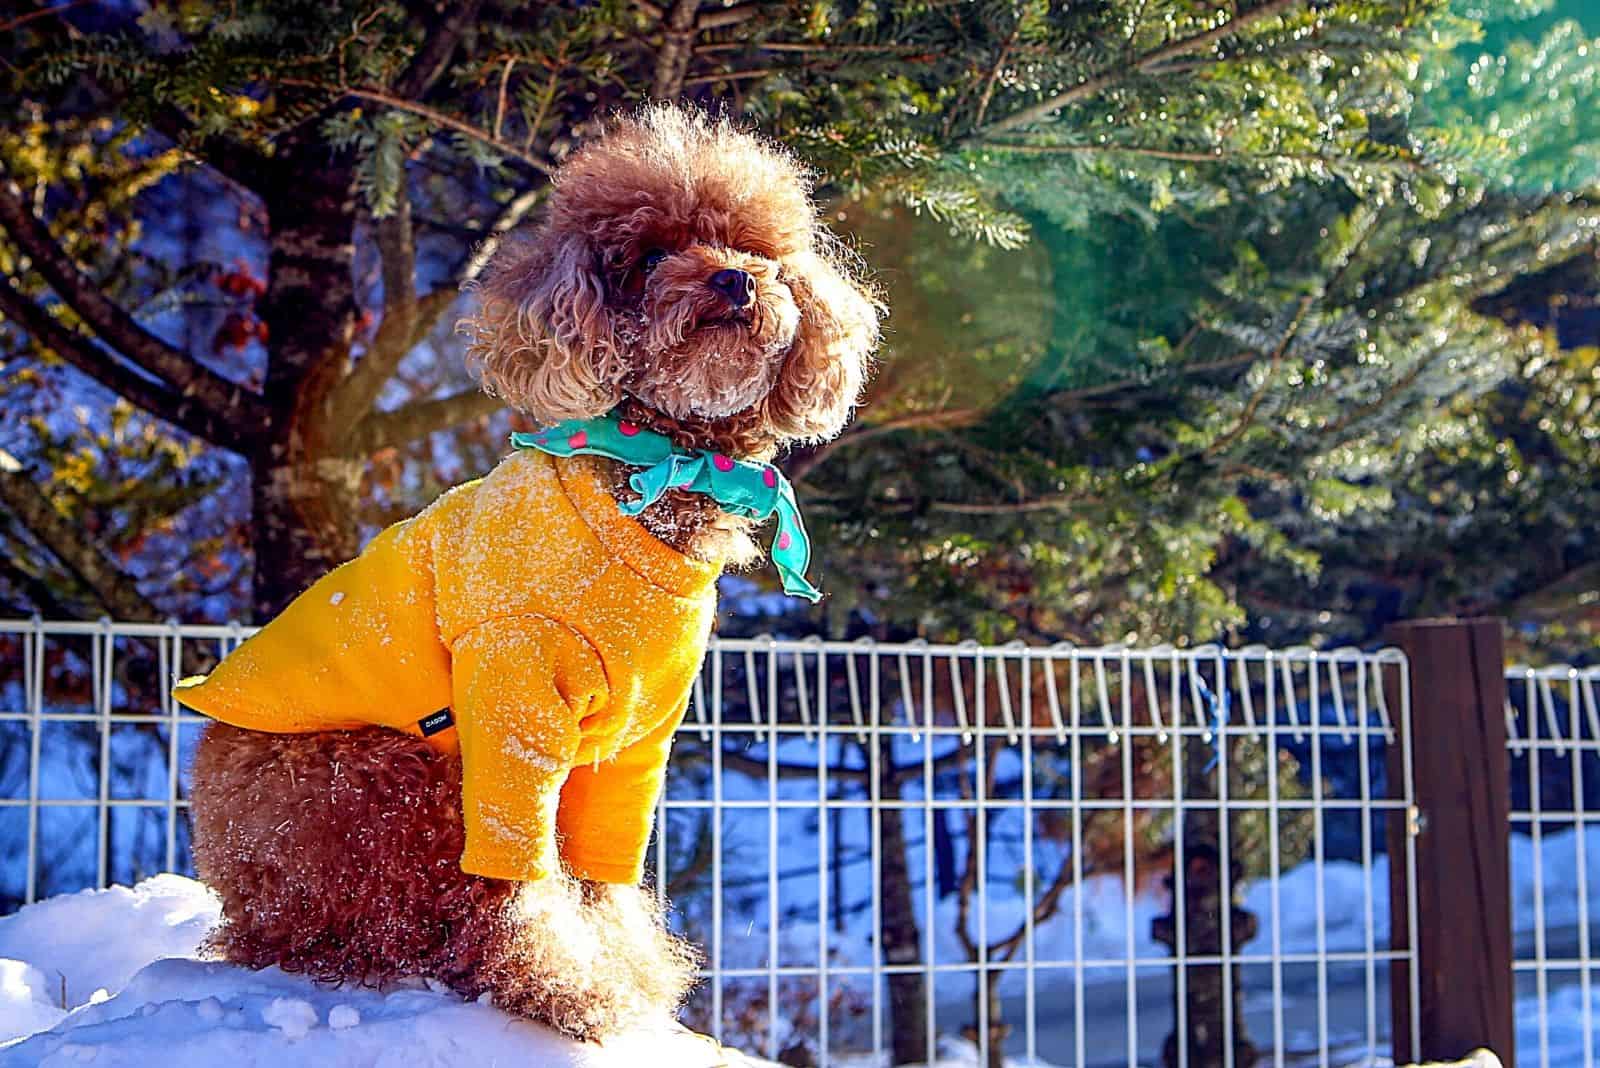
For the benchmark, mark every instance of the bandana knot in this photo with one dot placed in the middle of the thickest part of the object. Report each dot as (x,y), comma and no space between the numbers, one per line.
(745,488)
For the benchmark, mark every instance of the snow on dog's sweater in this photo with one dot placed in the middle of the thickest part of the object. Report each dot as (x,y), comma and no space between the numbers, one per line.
(564,637)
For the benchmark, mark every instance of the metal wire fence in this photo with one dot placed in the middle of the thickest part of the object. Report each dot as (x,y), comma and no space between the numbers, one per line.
(1553,734)
(893,852)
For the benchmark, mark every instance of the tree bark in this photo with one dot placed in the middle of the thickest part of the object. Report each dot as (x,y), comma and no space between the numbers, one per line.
(303,495)
(897,923)
(1207,904)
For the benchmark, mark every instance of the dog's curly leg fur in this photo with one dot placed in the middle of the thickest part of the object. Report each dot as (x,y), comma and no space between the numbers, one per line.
(655,963)
(613,964)
(337,855)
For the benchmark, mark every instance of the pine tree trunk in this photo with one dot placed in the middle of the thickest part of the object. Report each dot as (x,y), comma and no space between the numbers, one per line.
(301,528)
(303,494)
(998,1029)
(1205,909)
(908,997)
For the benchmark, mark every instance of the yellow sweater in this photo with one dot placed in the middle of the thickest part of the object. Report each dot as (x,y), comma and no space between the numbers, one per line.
(563,635)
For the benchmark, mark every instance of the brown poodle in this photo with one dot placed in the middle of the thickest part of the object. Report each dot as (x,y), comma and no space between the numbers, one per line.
(681,276)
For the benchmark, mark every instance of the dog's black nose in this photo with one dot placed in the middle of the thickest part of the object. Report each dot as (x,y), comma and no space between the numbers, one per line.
(737,287)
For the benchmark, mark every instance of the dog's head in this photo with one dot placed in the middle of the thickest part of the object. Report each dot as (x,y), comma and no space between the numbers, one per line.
(680,265)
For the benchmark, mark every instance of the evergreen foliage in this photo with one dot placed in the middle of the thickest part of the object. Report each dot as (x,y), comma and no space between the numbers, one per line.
(1199,307)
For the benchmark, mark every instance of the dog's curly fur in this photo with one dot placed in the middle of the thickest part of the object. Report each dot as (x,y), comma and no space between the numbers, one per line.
(337,854)
(606,305)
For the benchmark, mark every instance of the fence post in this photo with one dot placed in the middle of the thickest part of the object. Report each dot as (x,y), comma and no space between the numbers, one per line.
(1456,744)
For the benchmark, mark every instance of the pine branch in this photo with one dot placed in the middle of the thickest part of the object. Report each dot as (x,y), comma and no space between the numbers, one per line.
(68,543)
(1247,416)
(731,76)
(1112,75)
(1404,161)
(224,400)
(182,410)
(799,461)
(433,115)
(417,419)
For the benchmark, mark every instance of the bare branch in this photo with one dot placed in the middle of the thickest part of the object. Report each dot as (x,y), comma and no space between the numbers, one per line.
(430,309)
(1053,502)
(511,216)
(67,542)
(801,460)
(414,420)
(728,16)
(672,62)
(353,397)
(1120,72)
(433,58)
(814,47)
(500,97)
(227,401)
(183,411)
(994,74)
(27,17)
(731,76)
(1254,403)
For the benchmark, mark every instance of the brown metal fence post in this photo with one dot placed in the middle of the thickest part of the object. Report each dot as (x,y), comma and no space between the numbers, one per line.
(1461,775)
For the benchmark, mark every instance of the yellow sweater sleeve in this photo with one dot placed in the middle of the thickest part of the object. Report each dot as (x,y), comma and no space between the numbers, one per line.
(523,686)
(607,809)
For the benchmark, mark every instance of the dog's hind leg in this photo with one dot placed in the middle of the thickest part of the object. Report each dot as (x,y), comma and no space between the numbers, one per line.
(336,854)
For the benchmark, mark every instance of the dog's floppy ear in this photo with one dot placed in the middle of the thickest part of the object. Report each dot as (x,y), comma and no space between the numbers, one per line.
(822,375)
(541,338)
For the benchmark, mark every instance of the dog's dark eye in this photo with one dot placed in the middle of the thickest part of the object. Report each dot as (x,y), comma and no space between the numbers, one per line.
(652,259)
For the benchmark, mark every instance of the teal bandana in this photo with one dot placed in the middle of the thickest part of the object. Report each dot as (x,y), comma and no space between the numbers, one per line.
(743,487)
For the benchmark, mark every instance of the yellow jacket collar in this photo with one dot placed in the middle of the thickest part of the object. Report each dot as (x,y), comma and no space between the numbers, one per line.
(627,539)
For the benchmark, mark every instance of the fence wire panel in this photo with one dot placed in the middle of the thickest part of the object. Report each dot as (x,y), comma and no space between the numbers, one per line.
(1553,732)
(893,853)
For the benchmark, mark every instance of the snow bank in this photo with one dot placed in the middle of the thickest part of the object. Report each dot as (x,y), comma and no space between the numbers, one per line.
(1564,1032)
(97,939)
(136,995)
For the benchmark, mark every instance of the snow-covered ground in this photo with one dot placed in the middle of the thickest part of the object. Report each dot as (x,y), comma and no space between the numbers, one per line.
(110,977)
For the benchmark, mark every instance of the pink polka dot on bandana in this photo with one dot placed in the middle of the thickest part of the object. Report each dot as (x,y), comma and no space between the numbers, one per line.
(770,477)
(783,539)
(723,463)
(541,441)
(578,440)
(627,429)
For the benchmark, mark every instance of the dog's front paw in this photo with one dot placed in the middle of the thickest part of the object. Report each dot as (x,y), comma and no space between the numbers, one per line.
(588,962)
(659,966)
